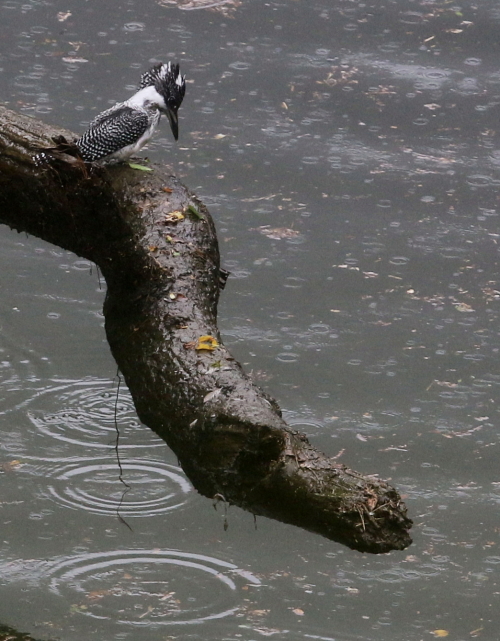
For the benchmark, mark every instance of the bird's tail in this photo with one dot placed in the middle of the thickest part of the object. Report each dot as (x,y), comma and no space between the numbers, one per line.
(64,151)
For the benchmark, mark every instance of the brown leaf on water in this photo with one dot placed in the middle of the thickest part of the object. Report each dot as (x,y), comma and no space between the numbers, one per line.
(339,76)
(446,384)
(10,466)
(278,233)
(463,307)
(97,594)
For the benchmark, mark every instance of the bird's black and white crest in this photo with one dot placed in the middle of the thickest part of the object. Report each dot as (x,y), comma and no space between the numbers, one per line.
(168,82)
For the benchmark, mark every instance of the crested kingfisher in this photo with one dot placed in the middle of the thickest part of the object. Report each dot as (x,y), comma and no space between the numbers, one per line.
(125,128)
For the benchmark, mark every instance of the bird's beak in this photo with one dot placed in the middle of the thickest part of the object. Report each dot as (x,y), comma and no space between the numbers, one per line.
(174,122)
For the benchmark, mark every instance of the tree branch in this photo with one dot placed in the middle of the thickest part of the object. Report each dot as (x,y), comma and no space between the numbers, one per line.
(9,634)
(157,248)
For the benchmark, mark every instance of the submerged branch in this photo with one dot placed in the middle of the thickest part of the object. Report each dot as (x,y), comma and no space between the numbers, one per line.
(157,248)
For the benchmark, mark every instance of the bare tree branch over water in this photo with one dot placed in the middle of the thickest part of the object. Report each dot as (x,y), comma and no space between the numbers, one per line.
(156,246)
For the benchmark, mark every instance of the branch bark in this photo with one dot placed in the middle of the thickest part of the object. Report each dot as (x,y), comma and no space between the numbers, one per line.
(9,634)
(157,248)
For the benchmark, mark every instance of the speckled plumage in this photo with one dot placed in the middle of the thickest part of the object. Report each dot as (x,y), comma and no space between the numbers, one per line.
(125,128)
(113,131)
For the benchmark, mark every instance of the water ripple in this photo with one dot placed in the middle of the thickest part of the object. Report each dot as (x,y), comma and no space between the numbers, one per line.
(92,484)
(154,587)
(87,414)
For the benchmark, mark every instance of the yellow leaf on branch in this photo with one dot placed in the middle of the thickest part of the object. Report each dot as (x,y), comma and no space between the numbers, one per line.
(207,343)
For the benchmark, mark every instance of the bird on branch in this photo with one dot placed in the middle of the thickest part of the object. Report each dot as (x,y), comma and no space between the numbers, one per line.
(121,131)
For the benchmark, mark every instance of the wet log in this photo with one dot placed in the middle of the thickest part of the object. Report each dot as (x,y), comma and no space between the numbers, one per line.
(156,246)
(9,634)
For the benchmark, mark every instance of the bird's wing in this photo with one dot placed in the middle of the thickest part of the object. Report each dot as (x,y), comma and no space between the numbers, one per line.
(111,131)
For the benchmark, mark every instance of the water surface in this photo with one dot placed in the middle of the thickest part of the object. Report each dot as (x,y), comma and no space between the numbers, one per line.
(349,155)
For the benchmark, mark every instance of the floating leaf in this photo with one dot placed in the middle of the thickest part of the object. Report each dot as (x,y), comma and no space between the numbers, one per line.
(10,466)
(133,165)
(93,595)
(278,233)
(440,633)
(463,307)
(207,343)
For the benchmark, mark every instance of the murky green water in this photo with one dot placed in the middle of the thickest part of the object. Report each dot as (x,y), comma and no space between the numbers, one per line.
(349,154)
